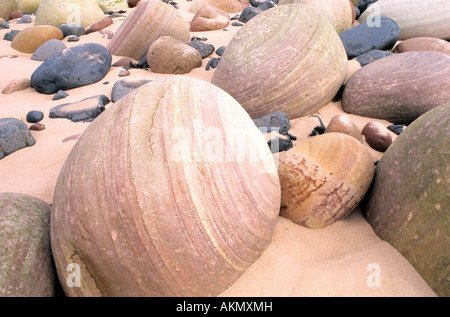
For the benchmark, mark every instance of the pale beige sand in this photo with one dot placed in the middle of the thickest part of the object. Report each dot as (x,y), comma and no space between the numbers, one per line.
(340,260)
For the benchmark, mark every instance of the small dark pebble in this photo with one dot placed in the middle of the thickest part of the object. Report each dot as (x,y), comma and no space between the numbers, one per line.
(73,38)
(280,146)
(237,24)
(195,38)
(10,35)
(37,127)
(204,49)
(235,17)
(25,19)
(60,95)
(396,128)
(212,63)
(4,25)
(105,82)
(34,116)
(221,50)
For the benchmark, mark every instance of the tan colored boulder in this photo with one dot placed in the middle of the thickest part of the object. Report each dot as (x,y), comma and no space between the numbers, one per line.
(28,6)
(29,39)
(146,23)
(343,124)
(323,179)
(170,56)
(114,5)
(338,12)
(209,18)
(17,85)
(84,12)
(275,63)
(423,44)
(6,8)
(229,6)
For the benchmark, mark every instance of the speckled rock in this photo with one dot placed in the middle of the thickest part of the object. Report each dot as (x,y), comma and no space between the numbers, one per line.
(170,56)
(269,66)
(58,12)
(26,264)
(14,135)
(409,204)
(338,12)
(399,88)
(416,18)
(423,44)
(29,39)
(152,18)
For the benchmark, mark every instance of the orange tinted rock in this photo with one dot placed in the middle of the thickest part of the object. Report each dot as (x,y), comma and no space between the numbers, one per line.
(28,40)
(209,18)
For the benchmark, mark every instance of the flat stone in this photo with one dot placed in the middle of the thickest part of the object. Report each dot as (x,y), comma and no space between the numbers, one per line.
(16,85)
(371,56)
(85,110)
(123,87)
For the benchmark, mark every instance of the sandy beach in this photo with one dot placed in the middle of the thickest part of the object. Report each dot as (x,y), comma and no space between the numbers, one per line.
(344,259)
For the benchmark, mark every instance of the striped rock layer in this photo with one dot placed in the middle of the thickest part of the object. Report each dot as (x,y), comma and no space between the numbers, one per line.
(399,88)
(416,18)
(172,191)
(409,205)
(145,24)
(288,58)
(338,12)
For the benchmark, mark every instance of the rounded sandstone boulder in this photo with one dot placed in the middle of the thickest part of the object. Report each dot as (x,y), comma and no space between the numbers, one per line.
(399,88)
(26,268)
(209,18)
(229,6)
(323,179)
(179,199)
(276,63)
(6,8)
(30,39)
(28,6)
(409,205)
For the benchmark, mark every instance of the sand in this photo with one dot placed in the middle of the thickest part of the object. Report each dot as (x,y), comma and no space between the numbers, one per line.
(344,259)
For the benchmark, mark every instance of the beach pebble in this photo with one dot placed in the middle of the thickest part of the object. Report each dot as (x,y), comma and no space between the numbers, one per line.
(74,67)
(212,63)
(124,61)
(377,136)
(220,50)
(73,38)
(275,121)
(99,25)
(205,49)
(323,179)
(72,29)
(29,39)
(37,127)
(396,128)
(47,49)
(124,73)
(68,11)
(343,124)
(25,19)
(85,110)
(154,19)
(10,35)
(382,89)
(366,37)
(209,18)
(123,87)
(60,94)
(17,85)
(371,56)
(14,135)
(249,13)
(6,8)
(409,203)
(34,116)
(416,18)
(423,44)
(236,24)
(266,5)
(27,268)
(170,56)
(259,59)
(4,25)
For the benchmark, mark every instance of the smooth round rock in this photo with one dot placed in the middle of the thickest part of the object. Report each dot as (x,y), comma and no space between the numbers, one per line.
(377,136)
(26,268)
(6,8)
(409,203)
(25,19)
(34,116)
(72,29)
(399,88)
(416,18)
(275,63)
(47,49)
(152,18)
(169,56)
(343,124)
(28,6)
(423,44)
(29,39)
(84,12)
(323,179)
(74,67)
(338,12)
(362,38)
(14,135)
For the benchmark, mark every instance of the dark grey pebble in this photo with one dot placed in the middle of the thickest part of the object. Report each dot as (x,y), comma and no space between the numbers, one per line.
(212,63)
(72,29)
(73,38)
(25,19)
(123,87)
(47,49)
(396,128)
(248,13)
(237,24)
(235,17)
(10,35)
(4,25)
(364,4)
(221,50)
(34,116)
(372,56)
(60,95)
(266,5)
(204,49)
(196,38)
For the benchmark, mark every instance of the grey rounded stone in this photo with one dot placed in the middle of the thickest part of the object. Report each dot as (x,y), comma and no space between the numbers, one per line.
(14,135)
(47,49)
